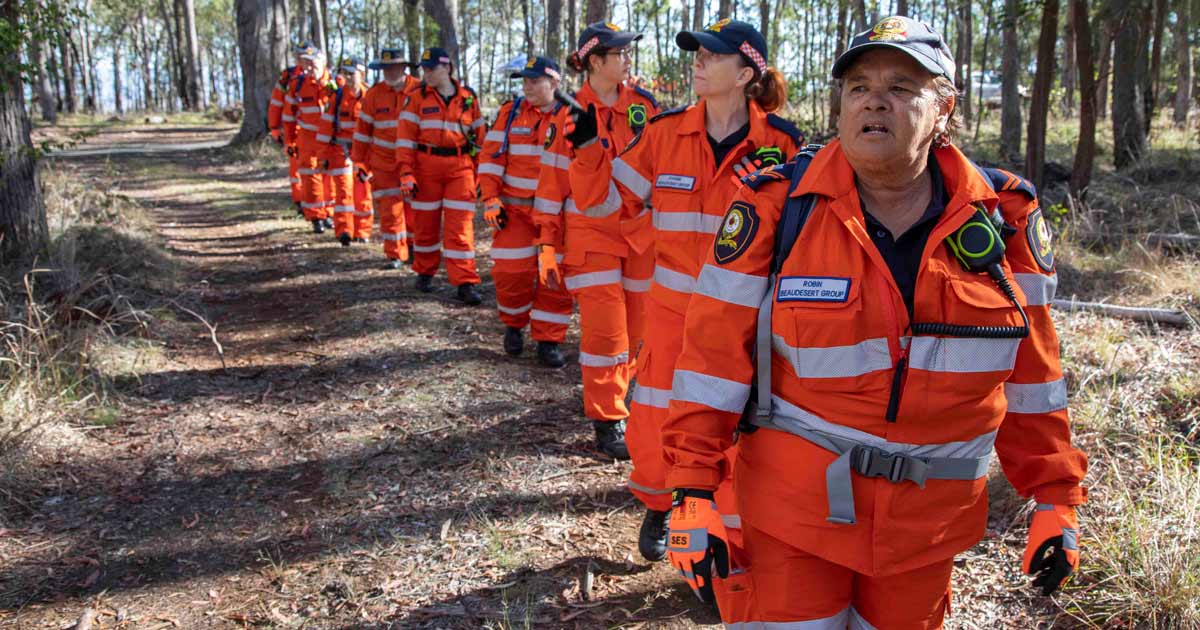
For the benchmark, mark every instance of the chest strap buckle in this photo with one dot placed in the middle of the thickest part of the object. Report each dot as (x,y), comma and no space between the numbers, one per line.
(869,461)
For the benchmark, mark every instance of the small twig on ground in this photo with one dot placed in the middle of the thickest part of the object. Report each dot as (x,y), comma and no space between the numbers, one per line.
(212,331)
(576,471)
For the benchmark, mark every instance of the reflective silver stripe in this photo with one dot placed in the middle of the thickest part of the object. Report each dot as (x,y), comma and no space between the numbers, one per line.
(385,192)
(426,249)
(546,206)
(593,279)
(1039,288)
(601,361)
(514,311)
(338,172)
(367,117)
(513,253)
(494,136)
(652,396)
(276,102)
(309,109)
(962,354)
(410,117)
(965,460)
(628,177)
(399,236)
(288,118)
(635,286)
(438,124)
(835,361)
(491,168)
(525,202)
(610,205)
(309,171)
(1070,538)
(527,183)
(686,222)
(364,213)
(732,287)
(711,391)
(358,137)
(406,144)
(327,117)
(387,124)
(555,160)
(459,255)
(674,280)
(525,149)
(646,489)
(1036,397)
(477,123)
(733,521)
(309,205)
(289,98)
(323,138)
(305,126)
(425,205)
(387,144)
(546,316)
(343,209)
(835,622)
(456,204)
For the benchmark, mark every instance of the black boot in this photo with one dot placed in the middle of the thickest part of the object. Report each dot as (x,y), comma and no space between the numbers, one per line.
(318,226)
(550,355)
(514,341)
(360,239)
(610,438)
(652,539)
(329,222)
(393,264)
(468,295)
(425,283)
(345,239)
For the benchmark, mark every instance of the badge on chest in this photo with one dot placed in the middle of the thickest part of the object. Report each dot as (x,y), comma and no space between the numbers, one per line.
(812,289)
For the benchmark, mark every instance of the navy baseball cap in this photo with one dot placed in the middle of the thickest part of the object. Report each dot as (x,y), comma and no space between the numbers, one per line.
(432,57)
(350,65)
(301,46)
(388,57)
(916,39)
(728,37)
(604,34)
(537,67)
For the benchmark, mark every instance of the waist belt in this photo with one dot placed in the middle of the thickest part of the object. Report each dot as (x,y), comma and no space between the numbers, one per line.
(890,460)
(441,151)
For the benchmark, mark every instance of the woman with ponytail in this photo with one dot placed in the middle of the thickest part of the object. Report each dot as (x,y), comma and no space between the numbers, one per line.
(675,182)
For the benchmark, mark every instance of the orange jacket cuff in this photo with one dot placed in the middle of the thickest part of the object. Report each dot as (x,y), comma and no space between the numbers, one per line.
(1061,494)
(589,156)
(694,478)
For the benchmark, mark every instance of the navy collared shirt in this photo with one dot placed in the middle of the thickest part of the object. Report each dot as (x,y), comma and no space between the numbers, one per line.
(903,255)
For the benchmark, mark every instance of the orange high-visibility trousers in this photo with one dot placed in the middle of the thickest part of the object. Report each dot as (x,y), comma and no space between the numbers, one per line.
(364,210)
(385,193)
(340,172)
(611,292)
(313,198)
(790,585)
(444,218)
(521,298)
(294,178)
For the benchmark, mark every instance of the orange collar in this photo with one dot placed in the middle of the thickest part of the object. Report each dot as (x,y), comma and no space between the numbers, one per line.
(586,95)
(694,123)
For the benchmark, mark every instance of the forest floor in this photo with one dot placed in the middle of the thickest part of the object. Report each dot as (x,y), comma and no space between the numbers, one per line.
(300,439)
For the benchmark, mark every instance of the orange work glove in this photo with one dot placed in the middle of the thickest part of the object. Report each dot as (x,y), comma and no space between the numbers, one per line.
(548,271)
(696,541)
(408,185)
(1054,529)
(493,213)
(363,174)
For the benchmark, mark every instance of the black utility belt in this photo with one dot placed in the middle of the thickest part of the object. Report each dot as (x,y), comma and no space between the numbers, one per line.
(442,151)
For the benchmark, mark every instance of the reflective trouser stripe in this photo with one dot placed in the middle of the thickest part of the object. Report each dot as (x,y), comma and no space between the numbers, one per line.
(601,361)
(513,253)
(652,396)
(635,286)
(840,621)
(921,461)
(454,253)
(595,278)
(427,249)
(553,318)
(514,311)
(674,280)
(648,490)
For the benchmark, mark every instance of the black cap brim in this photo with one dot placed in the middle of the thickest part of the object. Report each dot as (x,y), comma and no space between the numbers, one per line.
(843,63)
(529,74)
(624,38)
(691,41)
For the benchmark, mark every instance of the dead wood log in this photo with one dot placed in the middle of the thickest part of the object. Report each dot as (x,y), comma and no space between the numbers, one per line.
(1173,241)
(1140,314)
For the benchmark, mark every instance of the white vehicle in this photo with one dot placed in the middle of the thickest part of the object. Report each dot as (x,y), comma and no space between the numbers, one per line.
(992,88)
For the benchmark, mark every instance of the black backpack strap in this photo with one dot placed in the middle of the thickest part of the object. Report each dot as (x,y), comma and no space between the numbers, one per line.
(795,211)
(337,114)
(512,115)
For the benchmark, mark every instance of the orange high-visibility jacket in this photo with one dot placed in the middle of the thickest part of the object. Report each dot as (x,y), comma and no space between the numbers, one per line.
(311,96)
(840,341)
(672,194)
(378,123)
(511,158)
(276,115)
(573,230)
(339,120)
(429,122)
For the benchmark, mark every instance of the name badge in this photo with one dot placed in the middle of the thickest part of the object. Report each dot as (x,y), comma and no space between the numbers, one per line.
(675,182)
(813,289)
(431,110)
(521,131)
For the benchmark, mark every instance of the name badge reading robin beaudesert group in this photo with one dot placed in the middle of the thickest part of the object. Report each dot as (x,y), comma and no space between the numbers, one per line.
(813,289)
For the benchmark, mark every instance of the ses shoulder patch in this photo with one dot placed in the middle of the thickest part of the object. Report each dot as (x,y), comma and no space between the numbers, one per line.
(737,231)
(1040,240)
(551,132)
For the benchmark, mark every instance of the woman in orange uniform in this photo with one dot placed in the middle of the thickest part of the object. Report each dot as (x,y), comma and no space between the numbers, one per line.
(903,331)
(606,277)
(508,174)
(440,129)
(675,183)
(311,96)
(351,205)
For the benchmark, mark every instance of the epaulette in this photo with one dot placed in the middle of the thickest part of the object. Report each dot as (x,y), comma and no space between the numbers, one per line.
(786,126)
(670,112)
(646,94)
(1004,181)
(779,172)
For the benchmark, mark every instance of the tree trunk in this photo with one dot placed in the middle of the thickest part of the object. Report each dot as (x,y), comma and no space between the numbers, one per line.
(1039,108)
(262,33)
(147,81)
(597,11)
(724,9)
(525,22)
(117,102)
(175,64)
(1128,115)
(1105,70)
(318,25)
(193,54)
(835,96)
(902,7)
(1160,20)
(1010,98)
(984,60)
(1183,58)
(860,16)
(23,231)
(553,45)
(963,55)
(42,88)
(412,30)
(445,14)
(68,72)
(1085,151)
(1069,66)
(1143,63)
(572,24)
(698,14)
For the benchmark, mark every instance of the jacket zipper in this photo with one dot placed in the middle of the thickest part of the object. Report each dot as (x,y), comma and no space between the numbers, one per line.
(900,370)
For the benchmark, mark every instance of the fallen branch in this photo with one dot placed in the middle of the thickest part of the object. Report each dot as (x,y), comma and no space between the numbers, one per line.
(1177,241)
(1140,314)
(86,620)
(212,331)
